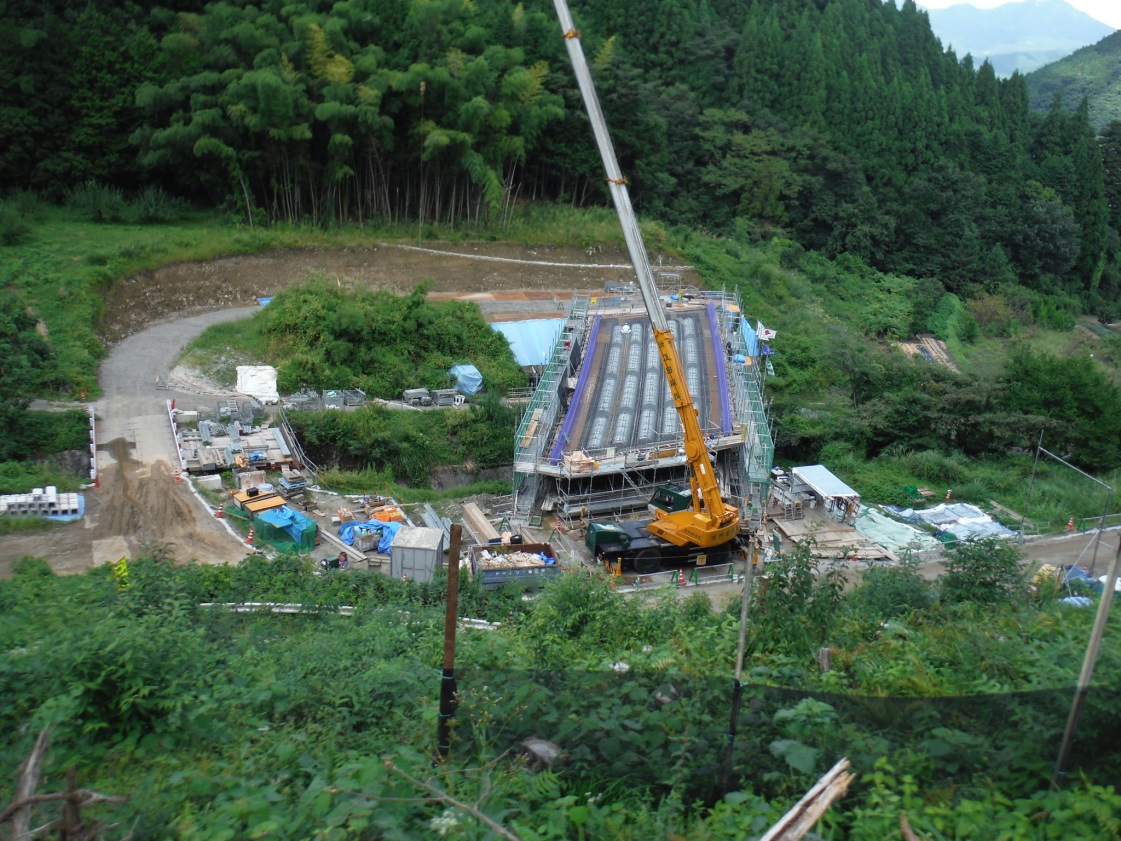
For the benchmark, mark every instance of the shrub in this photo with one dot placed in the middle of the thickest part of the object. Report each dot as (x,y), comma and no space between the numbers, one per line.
(14,227)
(30,567)
(985,571)
(887,592)
(154,205)
(98,203)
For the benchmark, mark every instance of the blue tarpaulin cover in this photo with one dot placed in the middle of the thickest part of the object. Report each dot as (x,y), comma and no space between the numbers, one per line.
(531,341)
(388,532)
(291,522)
(468,380)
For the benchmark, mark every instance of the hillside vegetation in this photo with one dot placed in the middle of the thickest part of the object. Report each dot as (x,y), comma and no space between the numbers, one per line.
(1089,73)
(220,725)
(843,125)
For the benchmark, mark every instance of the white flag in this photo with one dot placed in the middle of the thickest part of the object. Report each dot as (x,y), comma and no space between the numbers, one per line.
(763,333)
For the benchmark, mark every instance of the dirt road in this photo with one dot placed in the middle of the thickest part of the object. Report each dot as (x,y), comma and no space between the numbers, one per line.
(139,505)
(152,316)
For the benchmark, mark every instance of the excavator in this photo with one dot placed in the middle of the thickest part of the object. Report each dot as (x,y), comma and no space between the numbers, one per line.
(707,529)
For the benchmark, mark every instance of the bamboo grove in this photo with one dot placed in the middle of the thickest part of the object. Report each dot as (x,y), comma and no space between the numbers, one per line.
(843,125)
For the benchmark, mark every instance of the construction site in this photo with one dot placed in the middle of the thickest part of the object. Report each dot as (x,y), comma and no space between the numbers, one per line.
(601,432)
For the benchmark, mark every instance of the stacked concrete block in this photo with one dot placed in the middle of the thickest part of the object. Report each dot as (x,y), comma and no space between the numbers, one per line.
(41,503)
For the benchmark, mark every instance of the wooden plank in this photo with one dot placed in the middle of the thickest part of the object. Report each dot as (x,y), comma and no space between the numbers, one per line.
(531,429)
(477,523)
(351,551)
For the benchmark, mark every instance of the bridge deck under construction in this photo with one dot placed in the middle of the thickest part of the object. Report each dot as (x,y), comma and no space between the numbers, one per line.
(622,402)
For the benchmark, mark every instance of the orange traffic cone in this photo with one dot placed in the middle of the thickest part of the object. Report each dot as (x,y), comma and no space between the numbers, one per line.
(1070,524)
(405,578)
(178,476)
(949,493)
(220,513)
(249,539)
(681,578)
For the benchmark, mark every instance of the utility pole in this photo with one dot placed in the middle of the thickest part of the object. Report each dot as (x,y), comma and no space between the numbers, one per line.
(1088,664)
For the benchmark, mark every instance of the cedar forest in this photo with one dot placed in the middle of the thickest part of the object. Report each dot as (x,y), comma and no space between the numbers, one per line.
(856,182)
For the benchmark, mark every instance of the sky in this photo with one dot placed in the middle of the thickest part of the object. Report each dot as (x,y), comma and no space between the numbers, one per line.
(1107,11)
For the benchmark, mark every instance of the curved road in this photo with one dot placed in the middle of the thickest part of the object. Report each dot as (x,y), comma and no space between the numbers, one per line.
(139,507)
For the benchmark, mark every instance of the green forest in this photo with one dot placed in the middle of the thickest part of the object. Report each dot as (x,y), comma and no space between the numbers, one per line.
(224,725)
(843,125)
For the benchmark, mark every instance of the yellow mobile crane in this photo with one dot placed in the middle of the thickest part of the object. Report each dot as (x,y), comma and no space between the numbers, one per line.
(709,524)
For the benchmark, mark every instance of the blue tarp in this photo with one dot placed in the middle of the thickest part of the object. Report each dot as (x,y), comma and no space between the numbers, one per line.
(388,532)
(531,341)
(291,521)
(467,378)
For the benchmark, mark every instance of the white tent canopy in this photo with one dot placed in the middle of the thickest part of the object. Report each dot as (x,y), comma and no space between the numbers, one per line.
(822,482)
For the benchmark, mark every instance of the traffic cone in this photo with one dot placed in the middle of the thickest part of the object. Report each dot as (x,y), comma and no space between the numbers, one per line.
(681,578)
(219,514)
(949,493)
(249,539)
(1070,524)
(405,578)
(178,476)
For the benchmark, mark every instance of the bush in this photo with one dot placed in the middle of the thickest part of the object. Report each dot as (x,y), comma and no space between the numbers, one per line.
(887,592)
(14,227)
(98,203)
(30,567)
(154,205)
(985,571)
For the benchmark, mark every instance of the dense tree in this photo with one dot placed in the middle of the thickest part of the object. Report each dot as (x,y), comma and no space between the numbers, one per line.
(851,129)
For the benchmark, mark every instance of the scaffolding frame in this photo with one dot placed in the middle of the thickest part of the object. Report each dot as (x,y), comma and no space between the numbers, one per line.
(614,480)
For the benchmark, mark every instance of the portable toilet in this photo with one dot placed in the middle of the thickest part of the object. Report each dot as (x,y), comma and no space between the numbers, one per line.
(416,553)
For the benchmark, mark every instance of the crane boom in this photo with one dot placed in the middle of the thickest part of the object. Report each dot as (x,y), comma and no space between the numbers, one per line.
(710,522)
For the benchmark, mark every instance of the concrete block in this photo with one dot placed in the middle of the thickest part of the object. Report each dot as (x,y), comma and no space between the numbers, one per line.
(212,482)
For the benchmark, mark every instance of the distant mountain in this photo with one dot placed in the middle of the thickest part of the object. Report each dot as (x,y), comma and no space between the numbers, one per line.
(1093,72)
(1017,36)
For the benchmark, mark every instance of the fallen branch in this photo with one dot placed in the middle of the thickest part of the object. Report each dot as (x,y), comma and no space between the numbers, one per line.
(86,797)
(73,799)
(444,797)
(29,770)
(808,811)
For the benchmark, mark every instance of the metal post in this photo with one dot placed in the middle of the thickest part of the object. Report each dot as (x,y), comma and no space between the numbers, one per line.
(751,557)
(1101,531)
(448,698)
(1031,485)
(1088,664)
